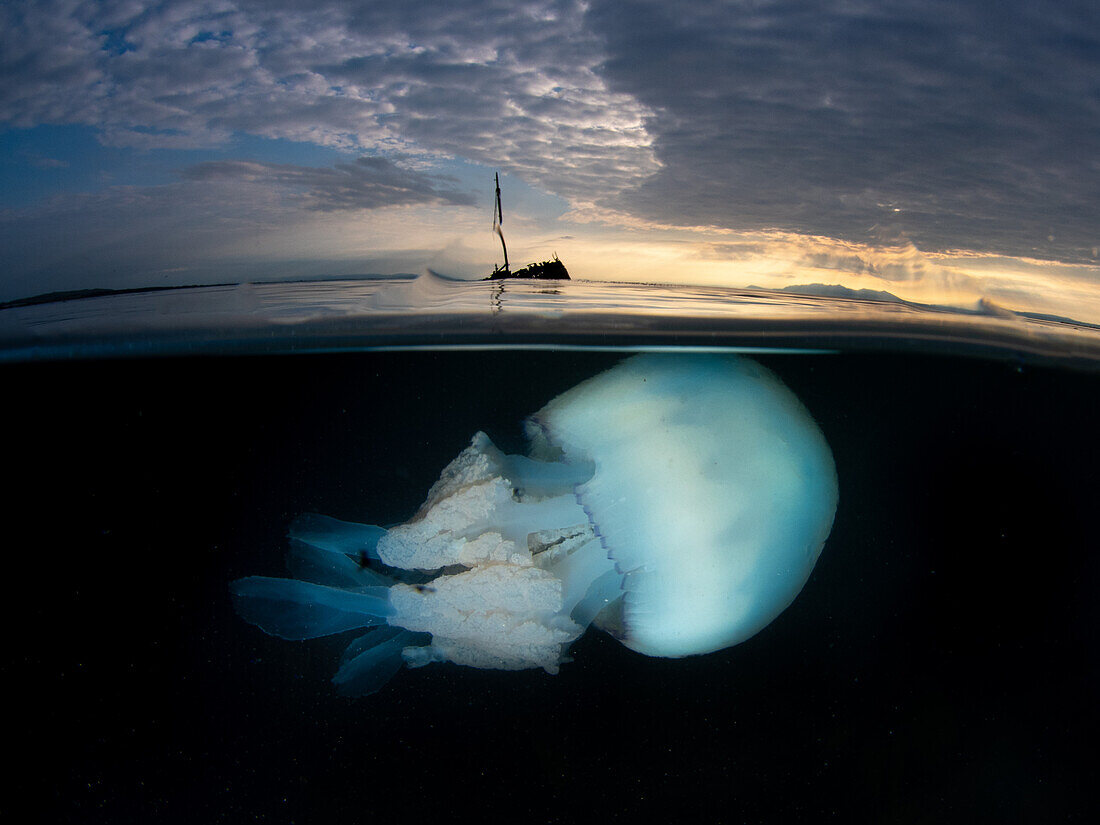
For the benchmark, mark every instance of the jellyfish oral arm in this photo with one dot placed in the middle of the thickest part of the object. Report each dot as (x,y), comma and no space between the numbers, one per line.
(528,557)
(483,508)
(530,552)
(499,616)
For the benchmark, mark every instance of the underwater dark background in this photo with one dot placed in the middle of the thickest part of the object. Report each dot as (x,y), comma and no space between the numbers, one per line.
(940,665)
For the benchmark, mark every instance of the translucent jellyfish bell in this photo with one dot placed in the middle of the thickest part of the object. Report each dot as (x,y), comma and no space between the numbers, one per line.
(678,502)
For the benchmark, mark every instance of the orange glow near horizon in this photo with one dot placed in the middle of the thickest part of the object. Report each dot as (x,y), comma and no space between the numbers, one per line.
(457,242)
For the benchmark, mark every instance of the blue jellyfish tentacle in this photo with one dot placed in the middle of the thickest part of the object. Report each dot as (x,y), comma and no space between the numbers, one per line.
(348,538)
(606,588)
(578,570)
(545,478)
(372,660)
(292,609)
(312,564)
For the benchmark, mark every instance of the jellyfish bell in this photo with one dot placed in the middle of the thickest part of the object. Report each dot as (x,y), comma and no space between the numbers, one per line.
(678,502)
(713,491)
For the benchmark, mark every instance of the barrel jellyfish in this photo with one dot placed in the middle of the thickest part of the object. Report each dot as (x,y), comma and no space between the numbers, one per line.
(678,502)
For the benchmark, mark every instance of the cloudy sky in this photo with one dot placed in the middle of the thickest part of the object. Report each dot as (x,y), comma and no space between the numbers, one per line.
(943,151)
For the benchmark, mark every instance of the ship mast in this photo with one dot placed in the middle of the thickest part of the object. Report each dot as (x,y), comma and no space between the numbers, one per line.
(498,219)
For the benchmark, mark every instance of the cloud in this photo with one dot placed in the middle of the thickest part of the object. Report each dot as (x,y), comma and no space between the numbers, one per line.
(952,124)
(730,250)
(366,183)
(510,84)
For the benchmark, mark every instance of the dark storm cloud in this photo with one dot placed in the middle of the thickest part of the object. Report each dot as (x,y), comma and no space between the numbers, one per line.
(957,124)
(367,183)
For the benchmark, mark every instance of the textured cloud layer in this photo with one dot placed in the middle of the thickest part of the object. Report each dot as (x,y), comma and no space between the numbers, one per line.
(510,84)
(366,183)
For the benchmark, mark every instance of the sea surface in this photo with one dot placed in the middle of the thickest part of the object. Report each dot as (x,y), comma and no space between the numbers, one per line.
(941,664)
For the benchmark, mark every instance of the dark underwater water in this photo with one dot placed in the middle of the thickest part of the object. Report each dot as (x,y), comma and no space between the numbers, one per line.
(941,664)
